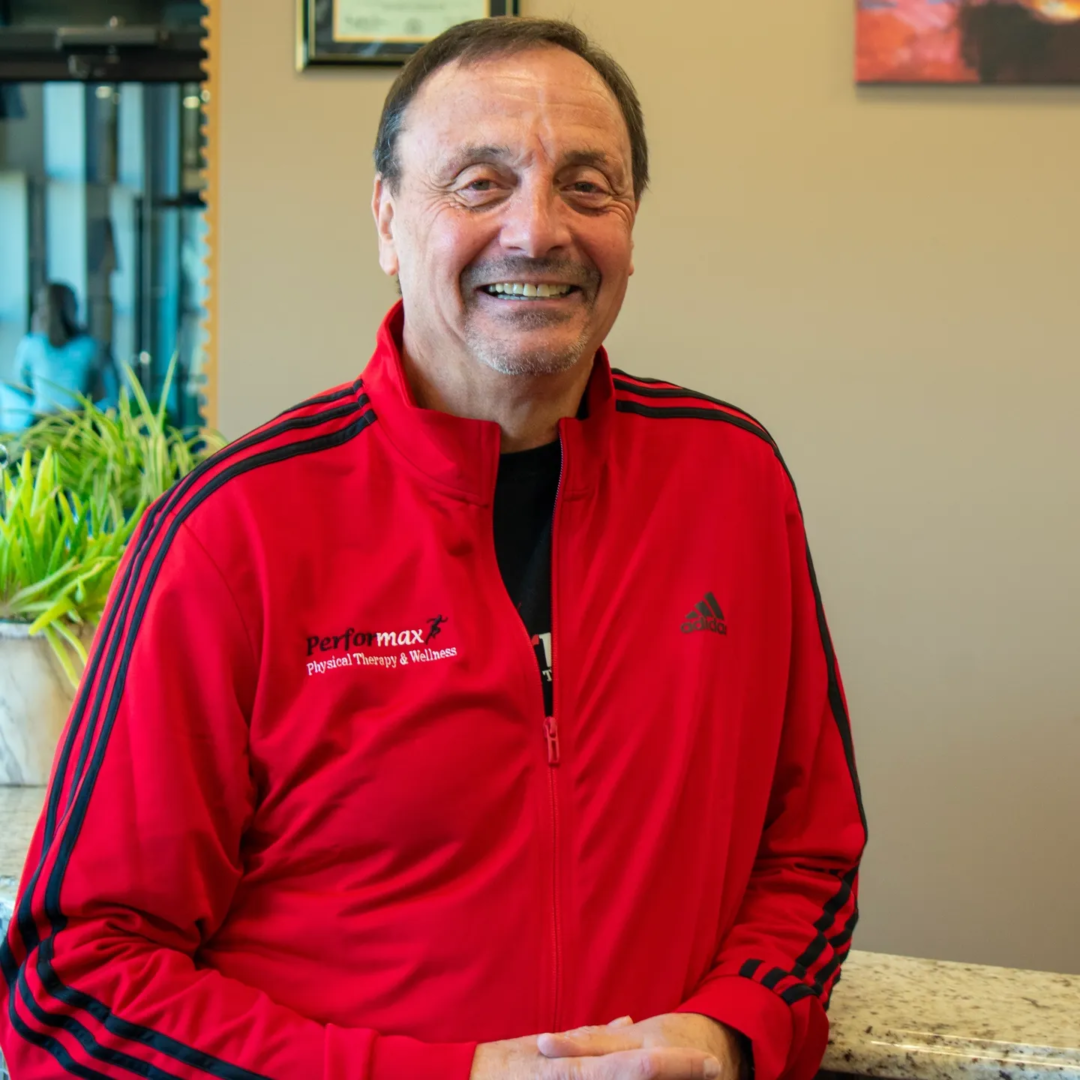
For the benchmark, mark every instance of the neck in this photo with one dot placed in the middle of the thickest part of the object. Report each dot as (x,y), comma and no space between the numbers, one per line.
(527,408)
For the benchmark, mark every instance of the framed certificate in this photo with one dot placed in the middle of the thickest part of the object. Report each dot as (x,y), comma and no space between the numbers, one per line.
(380,31)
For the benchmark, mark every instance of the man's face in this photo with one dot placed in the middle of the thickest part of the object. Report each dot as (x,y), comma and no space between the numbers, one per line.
(510,231)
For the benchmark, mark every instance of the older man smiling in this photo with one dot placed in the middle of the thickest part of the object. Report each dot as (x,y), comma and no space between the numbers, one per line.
(506,197)
(291,834)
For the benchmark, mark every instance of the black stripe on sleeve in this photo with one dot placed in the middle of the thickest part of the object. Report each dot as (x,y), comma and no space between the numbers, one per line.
(84,1037)
(150,535)
(835,697)
(145,536)
(840,944)
(749,968)
(689,412)
(323,399)
(828,916)
(669,391)
(797,992)
(162,507)
(51,1045)
(138,1033)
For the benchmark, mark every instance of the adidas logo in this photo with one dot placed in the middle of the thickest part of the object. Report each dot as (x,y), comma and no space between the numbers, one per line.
(705,616)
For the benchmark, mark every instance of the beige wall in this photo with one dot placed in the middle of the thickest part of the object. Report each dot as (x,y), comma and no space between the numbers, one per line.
(890,280)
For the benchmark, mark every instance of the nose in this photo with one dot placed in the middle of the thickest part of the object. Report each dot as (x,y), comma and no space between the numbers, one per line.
(535,222)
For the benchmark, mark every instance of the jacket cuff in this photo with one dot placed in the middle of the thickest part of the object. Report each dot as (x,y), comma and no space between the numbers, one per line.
(754,1011)
(395,1056)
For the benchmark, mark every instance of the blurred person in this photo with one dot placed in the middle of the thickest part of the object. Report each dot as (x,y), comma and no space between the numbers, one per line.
(57,361)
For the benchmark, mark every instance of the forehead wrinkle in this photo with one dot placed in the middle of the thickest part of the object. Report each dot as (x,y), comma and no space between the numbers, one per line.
(589,80)
(588,157)
(553,112)
(520,81)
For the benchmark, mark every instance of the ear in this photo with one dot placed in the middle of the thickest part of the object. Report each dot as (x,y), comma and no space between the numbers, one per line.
(382,208)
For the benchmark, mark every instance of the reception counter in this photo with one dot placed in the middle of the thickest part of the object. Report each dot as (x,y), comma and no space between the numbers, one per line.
(891,1016)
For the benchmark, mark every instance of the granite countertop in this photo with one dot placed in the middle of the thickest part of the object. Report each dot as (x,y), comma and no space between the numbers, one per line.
(891,1016)
(896,1016)
(20,808)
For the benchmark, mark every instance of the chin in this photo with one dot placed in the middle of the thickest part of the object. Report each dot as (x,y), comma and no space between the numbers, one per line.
(540,361)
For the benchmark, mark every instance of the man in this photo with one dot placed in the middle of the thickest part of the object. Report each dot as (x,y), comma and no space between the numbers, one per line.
(487,696)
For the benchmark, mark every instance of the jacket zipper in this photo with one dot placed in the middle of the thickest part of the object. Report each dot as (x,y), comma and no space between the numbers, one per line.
(551,738)
(551,735)
(550,732)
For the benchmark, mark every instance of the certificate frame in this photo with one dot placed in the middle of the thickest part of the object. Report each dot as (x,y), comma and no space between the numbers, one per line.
(319,44)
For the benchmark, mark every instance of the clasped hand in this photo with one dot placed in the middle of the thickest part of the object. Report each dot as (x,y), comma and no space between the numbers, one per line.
(675,1046)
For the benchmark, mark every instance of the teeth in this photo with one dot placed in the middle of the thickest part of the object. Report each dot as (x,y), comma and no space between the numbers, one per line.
(524,289)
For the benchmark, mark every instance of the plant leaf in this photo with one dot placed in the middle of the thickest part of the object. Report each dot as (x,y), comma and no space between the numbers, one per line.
(52,614)
(60,648)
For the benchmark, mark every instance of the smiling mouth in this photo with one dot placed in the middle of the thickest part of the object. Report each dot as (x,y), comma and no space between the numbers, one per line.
(520,290)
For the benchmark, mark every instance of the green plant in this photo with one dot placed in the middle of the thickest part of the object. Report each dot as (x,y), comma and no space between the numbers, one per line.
(132,451)
(83,479)
(58,555)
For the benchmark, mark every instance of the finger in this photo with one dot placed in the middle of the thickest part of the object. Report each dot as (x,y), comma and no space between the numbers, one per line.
(619,1021)
(587,1042)
(658,1063)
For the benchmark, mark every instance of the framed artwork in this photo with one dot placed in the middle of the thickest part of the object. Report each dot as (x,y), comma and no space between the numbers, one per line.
(968,41)
(380,31)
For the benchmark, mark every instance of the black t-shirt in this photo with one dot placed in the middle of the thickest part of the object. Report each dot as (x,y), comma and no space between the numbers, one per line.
(524,510)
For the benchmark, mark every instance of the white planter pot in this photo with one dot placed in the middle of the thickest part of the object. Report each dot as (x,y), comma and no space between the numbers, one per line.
(35,698)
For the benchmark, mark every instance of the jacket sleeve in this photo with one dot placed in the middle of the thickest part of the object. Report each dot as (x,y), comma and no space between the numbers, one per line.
(777,965)
(138,854)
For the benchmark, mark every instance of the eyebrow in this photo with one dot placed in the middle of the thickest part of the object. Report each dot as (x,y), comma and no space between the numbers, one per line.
(474,155)
(478,155)
(596,159)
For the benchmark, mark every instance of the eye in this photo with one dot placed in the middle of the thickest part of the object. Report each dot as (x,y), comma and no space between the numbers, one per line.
(480,186)
(588,187)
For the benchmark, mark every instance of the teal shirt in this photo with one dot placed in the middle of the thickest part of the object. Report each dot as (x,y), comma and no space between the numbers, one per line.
(54,375)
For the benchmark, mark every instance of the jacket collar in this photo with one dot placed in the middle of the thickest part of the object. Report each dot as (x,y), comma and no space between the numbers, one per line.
(461,456)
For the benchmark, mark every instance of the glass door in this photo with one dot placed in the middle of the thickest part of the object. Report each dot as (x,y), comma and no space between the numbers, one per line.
(101,186)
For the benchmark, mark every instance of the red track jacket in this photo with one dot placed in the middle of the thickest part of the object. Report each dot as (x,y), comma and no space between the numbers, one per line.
(308,819)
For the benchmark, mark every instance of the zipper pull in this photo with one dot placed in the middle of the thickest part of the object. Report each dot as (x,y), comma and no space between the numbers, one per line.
(551,736)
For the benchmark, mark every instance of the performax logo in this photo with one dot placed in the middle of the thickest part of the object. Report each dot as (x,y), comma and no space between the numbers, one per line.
(348,647)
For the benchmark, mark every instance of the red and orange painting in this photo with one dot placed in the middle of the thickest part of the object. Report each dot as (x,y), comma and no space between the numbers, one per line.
(968,41)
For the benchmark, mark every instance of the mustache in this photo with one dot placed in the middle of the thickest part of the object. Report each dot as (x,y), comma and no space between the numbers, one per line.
(520,267)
